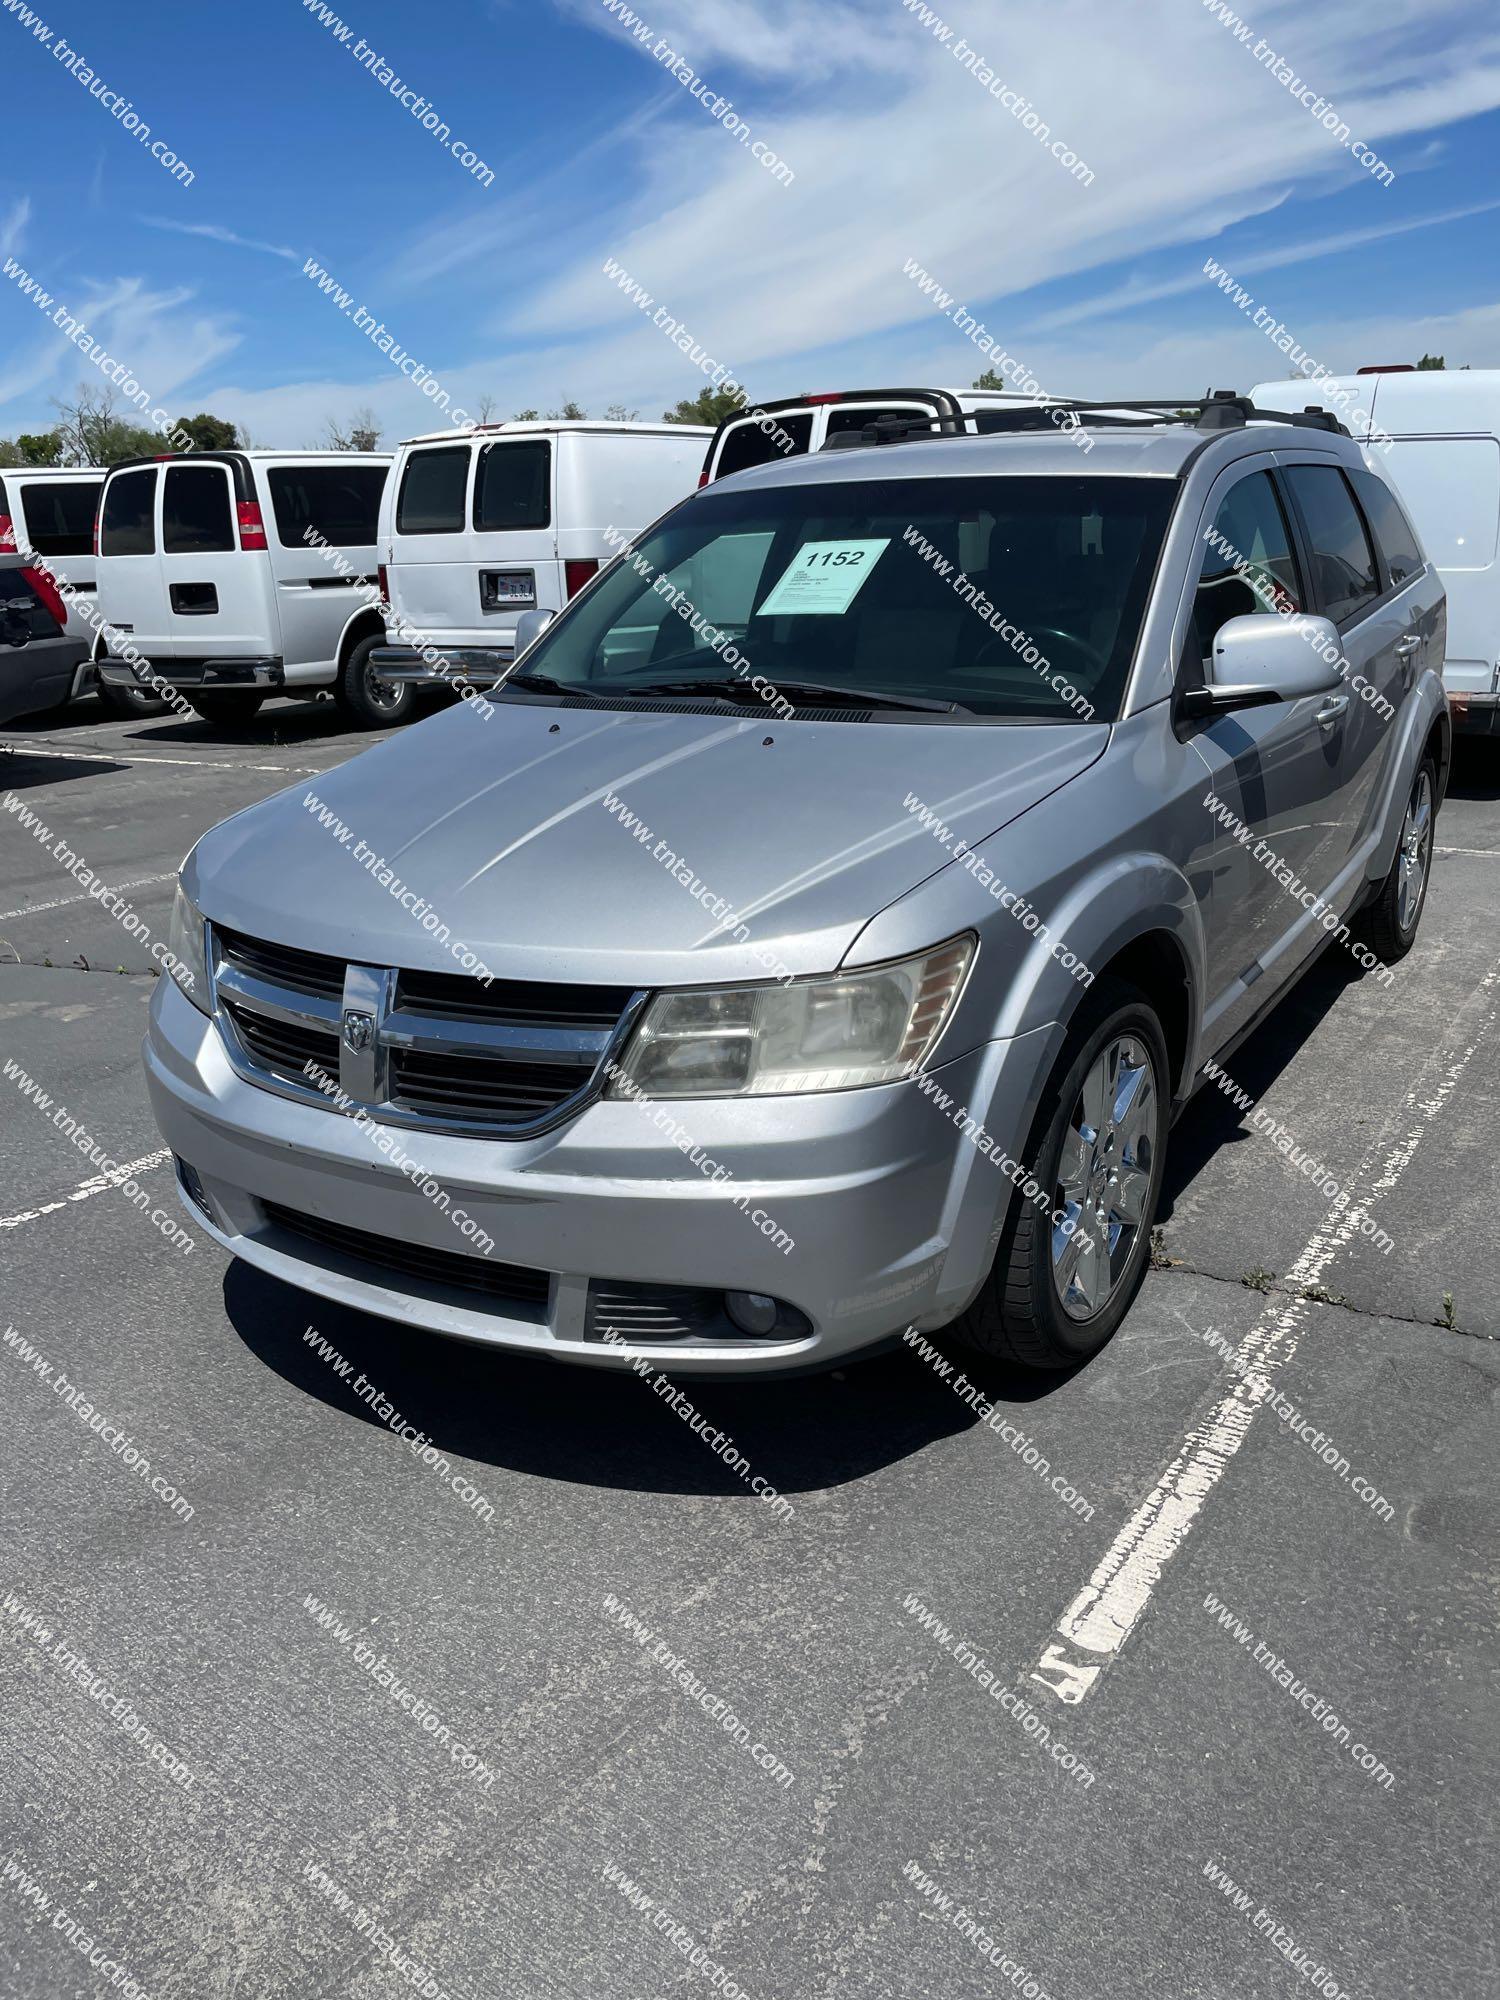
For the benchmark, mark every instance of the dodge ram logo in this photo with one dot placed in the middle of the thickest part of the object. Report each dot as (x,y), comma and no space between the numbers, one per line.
(359,1029)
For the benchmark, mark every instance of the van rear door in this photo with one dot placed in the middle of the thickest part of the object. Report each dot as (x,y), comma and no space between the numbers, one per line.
(130,592)
(322,524)
(514,519)
(218,597)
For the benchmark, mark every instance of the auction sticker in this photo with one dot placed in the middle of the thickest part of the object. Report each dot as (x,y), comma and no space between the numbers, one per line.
(822,577)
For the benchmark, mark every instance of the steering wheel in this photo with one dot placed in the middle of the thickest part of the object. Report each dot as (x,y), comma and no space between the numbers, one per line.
(1091,657)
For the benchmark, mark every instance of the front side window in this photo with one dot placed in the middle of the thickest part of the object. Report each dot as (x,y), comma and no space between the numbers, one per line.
(340,503)
(196,517)
(1343,562)
(1248,565)
(513,487)
(129,525)
(1014,598)
(431,501)
(1395,534)
(60,515)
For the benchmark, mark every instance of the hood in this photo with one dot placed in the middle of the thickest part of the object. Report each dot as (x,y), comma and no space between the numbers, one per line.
(597,845)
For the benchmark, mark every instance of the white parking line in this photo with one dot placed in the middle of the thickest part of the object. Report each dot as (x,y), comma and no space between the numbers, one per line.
(97,1185)
(1114,1600)
(83,896)
(24,749)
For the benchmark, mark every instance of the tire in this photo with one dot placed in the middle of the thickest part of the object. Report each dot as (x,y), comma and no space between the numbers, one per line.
(224,708)
(1388,924)
(131,704)
(369,702)
(1052,1300)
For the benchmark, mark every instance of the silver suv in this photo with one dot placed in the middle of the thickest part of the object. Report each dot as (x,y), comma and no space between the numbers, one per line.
(818,931)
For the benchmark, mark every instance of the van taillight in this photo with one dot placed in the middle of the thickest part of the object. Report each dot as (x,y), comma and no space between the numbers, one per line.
(1389,368)
(98,548)
(703,477)
(834,396)
(7,535)
(252,527)
(577,571)
(44,584)
(381,584)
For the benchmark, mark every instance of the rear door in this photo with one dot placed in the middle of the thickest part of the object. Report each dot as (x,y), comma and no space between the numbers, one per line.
(129,568)
(218,598)
(521,495)
(432,564)
(322,536)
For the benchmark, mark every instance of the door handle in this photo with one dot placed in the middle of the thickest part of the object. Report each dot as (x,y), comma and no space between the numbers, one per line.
(1407,646)
(1332,709)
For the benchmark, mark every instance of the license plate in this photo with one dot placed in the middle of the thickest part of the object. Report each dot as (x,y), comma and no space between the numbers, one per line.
(508,586)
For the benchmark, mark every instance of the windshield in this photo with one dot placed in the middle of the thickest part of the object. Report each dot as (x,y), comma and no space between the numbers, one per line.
(1016,598)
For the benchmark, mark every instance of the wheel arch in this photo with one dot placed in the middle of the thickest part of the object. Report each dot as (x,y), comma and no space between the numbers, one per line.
(366,623)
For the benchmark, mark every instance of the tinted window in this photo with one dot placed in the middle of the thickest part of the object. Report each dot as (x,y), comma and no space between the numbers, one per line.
(128,527)
(196,518)
(341,503)
(854,416)
(1008,597)
(1343,561)
(746,444)
(4,503)
(432,492)
(1397,538)
(513,487)
(60,515)
(1248,562)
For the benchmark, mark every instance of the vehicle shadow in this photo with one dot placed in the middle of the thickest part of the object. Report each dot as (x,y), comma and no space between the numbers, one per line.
(1476,768)
(596,1428)
(18,770)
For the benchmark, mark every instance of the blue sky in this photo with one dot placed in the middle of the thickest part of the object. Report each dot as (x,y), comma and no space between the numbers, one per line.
(898,151)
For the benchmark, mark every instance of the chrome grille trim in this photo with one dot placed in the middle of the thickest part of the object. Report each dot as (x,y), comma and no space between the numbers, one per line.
(368,1075)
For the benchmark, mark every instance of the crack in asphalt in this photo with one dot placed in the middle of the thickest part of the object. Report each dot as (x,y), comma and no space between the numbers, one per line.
(1314,1297)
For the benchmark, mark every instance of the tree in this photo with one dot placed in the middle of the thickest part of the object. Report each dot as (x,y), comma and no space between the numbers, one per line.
(618,414)
(361,433)
(571,413)
(989,380)
(486,410)
(32,448)
(209,433)
(709,406)
(526,416)
(92,432)
(1432,361)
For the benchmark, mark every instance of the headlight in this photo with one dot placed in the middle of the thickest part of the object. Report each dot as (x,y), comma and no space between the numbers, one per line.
(188,964)
(832,1033)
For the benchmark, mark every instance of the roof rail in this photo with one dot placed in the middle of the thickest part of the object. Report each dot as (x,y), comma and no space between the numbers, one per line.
(1219,410)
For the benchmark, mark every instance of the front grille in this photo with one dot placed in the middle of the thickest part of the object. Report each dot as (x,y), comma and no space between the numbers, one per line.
(443,1051)
(284,1047)
(498,1092)
(501,1284)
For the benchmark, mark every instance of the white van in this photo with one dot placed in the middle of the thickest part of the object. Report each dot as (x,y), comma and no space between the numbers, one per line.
(49,511)
(795,425)
(1443,458)
(480,526)
(238,574)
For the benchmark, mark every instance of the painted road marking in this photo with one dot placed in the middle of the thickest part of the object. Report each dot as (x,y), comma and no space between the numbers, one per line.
(25,749)
(85,1188)
(1099,1620)
(83,896)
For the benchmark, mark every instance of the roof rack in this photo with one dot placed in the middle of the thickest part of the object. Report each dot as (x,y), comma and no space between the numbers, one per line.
(1219,410)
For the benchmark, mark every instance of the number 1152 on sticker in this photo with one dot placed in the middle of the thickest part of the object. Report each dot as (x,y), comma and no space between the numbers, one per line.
(822,577)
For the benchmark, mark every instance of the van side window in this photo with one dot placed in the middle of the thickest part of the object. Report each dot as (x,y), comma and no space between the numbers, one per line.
(431,501)
(513,486)
(1343,561)
(747,443)
(59,515)
(128,527)
(196,518)
(340,503)
(1249,564)
(1395,534)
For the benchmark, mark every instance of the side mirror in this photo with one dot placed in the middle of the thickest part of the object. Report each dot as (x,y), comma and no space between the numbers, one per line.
(1265,658)
(15,624)
(529,628)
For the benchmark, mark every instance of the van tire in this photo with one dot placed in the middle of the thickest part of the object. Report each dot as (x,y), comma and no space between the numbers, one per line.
(1019,1315)
(224,708)
(355,694)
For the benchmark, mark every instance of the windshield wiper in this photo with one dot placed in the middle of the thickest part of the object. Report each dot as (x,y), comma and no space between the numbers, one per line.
(543,684)
(738,690)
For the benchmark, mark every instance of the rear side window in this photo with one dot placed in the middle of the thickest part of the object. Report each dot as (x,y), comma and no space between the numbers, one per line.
(513,487)
(431,501)
(196,518)
(340,503)
(1343,561)
(746,444)
(128,527)
(60,515)
(1249,565)
(1395,534)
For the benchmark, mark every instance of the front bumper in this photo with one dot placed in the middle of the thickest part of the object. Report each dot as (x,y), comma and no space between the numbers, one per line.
(1475,714)
(473,666)
(257,672)
(892,1212)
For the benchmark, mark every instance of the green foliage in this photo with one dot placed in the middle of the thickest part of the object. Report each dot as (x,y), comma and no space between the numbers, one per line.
(209,433)
(32,448)
(709,406)
(1432,361)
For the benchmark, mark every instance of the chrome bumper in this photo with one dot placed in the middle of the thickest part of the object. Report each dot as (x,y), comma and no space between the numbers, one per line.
(244,673)
(470,666)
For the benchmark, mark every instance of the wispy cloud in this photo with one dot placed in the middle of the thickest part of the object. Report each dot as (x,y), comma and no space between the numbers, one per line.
(11,229)
(217,233)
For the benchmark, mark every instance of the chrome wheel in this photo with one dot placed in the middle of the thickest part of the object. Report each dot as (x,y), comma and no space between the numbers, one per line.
(382,693)
(1416,852)
(1104,1177)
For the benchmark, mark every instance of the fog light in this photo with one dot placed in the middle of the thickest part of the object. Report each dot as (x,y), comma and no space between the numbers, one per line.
(752,1312)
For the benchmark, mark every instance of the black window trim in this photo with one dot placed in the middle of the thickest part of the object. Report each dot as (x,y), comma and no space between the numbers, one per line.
(129,465)
(431,451)
(1389,587)
(1315,605)
(549,526)
(1192,660)
(185,463)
